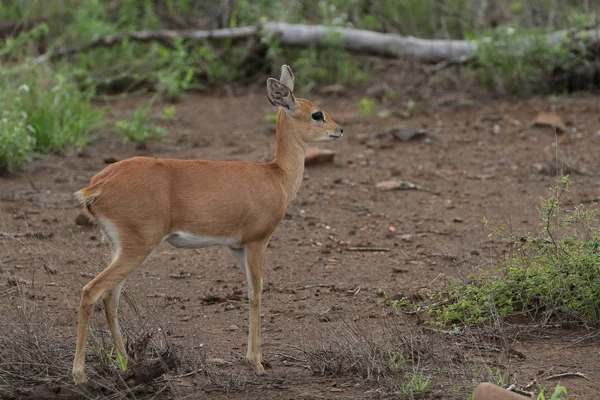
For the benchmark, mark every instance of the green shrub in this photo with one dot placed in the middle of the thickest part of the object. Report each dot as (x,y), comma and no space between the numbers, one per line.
(516,60)
(554,275)
(45,114)
(59,114)
(138,129)
(16,142)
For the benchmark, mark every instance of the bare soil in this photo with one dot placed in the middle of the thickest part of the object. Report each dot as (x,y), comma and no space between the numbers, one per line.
(488,162)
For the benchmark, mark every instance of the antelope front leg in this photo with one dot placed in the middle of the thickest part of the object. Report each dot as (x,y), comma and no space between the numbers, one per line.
(255,255)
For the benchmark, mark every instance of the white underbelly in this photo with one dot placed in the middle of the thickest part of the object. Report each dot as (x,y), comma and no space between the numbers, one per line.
(189,241)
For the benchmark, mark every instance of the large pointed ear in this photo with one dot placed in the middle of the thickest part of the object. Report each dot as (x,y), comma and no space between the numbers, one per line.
(280,95)
(287,77)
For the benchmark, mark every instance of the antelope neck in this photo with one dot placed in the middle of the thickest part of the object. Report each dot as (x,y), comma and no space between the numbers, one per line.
(289,155)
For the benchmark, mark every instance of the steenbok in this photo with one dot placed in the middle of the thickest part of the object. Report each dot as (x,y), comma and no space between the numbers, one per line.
(141,202)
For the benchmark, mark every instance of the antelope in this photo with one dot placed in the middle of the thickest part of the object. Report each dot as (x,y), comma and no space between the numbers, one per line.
(141,202)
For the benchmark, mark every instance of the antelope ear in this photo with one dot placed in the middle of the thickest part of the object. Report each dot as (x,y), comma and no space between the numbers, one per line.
(280,95)
(287,77)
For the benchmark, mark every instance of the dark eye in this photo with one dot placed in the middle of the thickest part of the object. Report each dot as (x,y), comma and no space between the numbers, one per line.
(318,116)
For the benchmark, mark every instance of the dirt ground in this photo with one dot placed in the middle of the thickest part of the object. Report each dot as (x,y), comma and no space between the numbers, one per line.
(488,162)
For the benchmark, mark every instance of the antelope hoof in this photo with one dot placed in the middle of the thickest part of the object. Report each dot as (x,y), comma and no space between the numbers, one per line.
(79,376)
(259,369)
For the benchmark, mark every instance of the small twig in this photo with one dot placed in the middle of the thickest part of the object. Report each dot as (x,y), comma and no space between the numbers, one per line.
(34,235)
(186,375)
(316,285)
(369,249)
(513,388)
(565,374)
(530,384)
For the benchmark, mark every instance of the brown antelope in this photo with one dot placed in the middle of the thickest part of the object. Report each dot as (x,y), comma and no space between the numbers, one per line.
(140,202)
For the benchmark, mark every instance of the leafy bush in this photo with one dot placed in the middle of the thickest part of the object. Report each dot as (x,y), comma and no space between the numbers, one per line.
(16,142)
(138,129)
(553,275)
(519,60)
(42,114)
(58,112)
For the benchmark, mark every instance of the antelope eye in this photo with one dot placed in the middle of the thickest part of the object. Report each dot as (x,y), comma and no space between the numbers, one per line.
(318,116)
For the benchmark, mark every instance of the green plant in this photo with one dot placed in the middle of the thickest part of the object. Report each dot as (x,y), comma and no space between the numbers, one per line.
(417,385)
(366,106)
(511,59)
(16,142)
(555,274)
(119,359)
(557,395)
(138,128)
(272,117)
(397,361)
(169,113)
(177,73)
(58,113)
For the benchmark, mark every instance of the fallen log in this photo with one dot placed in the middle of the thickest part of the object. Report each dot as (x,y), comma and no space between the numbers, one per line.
(388,45)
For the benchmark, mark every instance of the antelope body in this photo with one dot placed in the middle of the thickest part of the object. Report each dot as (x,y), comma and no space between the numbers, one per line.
(141,202)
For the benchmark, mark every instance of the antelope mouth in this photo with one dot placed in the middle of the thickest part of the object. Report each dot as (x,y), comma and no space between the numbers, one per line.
(335,137)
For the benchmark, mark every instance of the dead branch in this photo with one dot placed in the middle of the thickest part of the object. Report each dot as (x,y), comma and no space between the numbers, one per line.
(565,374)
(388,45)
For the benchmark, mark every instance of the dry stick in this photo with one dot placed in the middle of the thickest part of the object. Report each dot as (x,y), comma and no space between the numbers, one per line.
(317,285)
(373,249)
(515,389)
(34,235)
(565,374)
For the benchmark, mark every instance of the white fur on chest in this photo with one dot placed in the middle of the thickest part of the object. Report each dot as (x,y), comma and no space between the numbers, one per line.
(187,240)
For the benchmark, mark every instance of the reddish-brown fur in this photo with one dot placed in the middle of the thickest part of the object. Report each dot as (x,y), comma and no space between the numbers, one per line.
(141,201)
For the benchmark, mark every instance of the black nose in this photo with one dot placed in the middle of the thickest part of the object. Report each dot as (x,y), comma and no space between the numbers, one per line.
(341,130)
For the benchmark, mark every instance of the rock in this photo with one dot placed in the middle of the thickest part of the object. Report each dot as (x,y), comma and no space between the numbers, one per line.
(110,160)
(551,120)
(399,270)
(407,134)
(488,391)
(407,237)
(232,328)
(391,229)
(315,156)
(457,219)
(397,184)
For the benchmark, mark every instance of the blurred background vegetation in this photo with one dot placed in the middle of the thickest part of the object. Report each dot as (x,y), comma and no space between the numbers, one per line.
(47,105)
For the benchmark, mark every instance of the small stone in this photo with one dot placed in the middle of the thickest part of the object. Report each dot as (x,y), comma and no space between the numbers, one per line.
(407,237)
(475,252)
(496,129)
(110,160)
(457,219)
(391,229)
(186,318)
(399,270)
(396,185)
(232,328)
(551,120)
